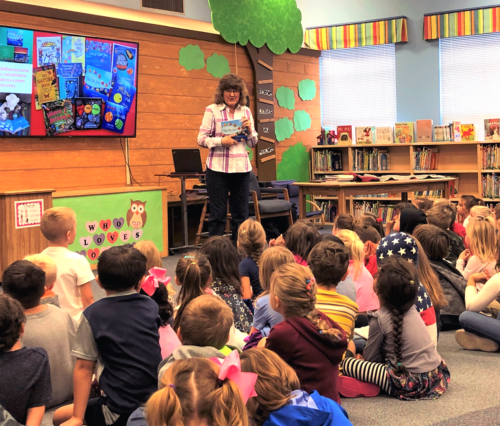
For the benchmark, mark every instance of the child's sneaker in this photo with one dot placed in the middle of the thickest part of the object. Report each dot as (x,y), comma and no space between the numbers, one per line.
(352,388)
(472,342)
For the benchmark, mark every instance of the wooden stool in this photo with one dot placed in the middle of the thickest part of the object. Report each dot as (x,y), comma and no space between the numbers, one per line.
(204,218)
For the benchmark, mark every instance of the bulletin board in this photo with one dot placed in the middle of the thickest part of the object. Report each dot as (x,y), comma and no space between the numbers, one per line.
(108,220)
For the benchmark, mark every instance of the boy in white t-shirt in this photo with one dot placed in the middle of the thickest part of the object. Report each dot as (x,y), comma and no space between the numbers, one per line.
(74,276)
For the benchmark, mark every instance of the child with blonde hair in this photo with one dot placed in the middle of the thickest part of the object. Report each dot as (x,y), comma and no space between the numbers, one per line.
(74,276)
(481,238)
(363,281)
(252,242)
(265,317)
(481,211)
(279,399)
(191,394)
(310,342)
(48,266)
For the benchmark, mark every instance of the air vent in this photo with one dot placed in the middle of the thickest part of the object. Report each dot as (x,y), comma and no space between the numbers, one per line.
(164,5)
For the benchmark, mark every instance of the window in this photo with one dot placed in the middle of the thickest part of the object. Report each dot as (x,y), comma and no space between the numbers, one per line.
(470,71)
(166,5)
(358,86)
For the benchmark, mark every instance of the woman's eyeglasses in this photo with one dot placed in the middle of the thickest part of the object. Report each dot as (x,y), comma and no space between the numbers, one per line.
(232,91)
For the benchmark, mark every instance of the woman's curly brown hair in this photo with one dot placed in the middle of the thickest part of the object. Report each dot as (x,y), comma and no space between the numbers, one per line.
(231,81)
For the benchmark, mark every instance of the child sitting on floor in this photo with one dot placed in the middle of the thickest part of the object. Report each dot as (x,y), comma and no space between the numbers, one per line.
(343,221)
(252,242)
(265,317)
(481,239)
(465,205)
(310,342)
(363,281)
(204,331)
(400,356)
(48,266)
(226,284)
(25,386)
(329,263)
(370,238)
(46,326)
(300,239)
(368,218)
(280,401)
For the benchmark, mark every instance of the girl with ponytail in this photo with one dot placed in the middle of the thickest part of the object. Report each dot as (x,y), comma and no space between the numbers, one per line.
(252,242)
(310,342)
(366,298)
(400,355)
(192,394)
(193,275)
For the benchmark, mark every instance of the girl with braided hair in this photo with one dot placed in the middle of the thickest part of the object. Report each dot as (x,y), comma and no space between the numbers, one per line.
(252,242)
(400,355)
(310,342)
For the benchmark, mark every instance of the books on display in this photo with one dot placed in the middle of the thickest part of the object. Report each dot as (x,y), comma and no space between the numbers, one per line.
(404,132)
(424,130)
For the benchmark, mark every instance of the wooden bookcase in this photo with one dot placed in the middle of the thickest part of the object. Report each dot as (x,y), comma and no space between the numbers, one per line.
(463,159)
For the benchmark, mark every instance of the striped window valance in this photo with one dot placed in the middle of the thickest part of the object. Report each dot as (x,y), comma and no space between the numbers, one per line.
(358,34)
(462,23)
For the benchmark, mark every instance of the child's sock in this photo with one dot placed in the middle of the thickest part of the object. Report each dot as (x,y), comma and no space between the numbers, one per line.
(472,342)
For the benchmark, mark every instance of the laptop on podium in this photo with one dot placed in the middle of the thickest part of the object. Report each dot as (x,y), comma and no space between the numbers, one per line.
(187,161)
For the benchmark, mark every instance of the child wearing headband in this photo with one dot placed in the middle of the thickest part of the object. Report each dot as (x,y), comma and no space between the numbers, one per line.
(310,342)
(400,355)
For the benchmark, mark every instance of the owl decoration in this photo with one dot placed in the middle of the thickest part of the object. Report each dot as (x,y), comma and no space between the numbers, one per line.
(136,215)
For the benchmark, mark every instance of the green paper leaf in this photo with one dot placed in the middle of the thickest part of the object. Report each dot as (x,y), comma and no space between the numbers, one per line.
(285,97)
(283,129)
(218,65)
(191,57)
(250,153)
(301,121)
(294,164)
(276,23)
(307,90)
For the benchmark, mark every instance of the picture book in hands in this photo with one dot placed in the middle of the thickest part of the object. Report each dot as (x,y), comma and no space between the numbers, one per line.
(234,127)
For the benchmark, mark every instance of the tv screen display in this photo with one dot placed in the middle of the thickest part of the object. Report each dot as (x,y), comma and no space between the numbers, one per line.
(54,84)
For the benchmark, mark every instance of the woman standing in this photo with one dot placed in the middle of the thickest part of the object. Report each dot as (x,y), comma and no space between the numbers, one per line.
(228,167)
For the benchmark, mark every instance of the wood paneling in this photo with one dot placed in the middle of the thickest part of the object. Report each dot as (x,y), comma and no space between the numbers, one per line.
(171,102)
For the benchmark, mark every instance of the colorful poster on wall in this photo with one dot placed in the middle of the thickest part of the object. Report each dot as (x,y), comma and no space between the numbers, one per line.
(105,221)
(28,213)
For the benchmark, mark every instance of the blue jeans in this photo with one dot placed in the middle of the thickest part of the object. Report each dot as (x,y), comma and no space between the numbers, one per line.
(481,325)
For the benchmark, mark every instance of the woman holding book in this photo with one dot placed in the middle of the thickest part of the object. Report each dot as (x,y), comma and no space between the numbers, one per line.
(228,166)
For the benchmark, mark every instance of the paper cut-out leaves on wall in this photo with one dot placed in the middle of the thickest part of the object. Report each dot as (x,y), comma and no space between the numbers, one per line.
(283,129)
(191,57)
(285,97)
(294,164)
(307,90)
(271,22)
(250,153)
(218,65)
(301,121)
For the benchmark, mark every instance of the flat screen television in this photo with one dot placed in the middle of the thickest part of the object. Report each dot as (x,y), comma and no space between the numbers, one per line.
(56,85)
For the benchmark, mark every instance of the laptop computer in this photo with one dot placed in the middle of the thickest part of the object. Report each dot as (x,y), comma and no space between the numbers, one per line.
(187,161)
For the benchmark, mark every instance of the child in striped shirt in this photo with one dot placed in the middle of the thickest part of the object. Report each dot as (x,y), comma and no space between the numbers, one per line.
(329,262)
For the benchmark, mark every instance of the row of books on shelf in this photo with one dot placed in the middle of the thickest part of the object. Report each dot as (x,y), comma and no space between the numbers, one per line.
(420,131)
(370,159)
(490,157)
(491,185)
(330,209)
(377,196)
(382,211)
(327,161)
(425,158)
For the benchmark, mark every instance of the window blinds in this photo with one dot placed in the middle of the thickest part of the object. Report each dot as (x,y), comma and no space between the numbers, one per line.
(358,86)
(470,70)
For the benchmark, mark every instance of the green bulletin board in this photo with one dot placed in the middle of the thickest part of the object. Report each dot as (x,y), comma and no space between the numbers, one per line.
(104,221)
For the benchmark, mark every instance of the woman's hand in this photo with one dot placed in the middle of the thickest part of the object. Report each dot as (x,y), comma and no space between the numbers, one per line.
(478,278)
(464,255)
(228,141)
(246,123)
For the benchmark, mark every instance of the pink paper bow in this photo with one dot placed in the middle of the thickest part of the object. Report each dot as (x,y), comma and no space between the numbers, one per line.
(230,368)
(150,283)
(168,341)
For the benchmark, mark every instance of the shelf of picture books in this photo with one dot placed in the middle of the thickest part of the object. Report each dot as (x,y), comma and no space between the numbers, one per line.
(327,160)
(490,186)
(382,211)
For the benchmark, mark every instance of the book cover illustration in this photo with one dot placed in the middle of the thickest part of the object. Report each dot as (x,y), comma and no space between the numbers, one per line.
(45,85)
(424,130)
(58,117)
(124,62)
(344,135)
(88,113)
(73,51)
(114,117)
(364,135)
(468,132)
(384,135)
(70,79)
(98,76)
(15,37)
(48,50)
(234,127)
(13,115)
(457,136)
(123,92)
(491,129)
(404,133)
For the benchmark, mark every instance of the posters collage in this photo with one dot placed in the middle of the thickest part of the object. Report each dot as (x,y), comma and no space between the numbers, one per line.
(53,84)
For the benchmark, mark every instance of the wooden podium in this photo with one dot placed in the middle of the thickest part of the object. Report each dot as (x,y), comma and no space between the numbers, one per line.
(16,243)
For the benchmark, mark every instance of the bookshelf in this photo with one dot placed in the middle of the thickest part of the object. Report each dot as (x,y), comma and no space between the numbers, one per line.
(460,159)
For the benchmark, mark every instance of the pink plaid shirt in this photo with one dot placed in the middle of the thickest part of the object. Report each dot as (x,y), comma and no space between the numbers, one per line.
(220,158)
